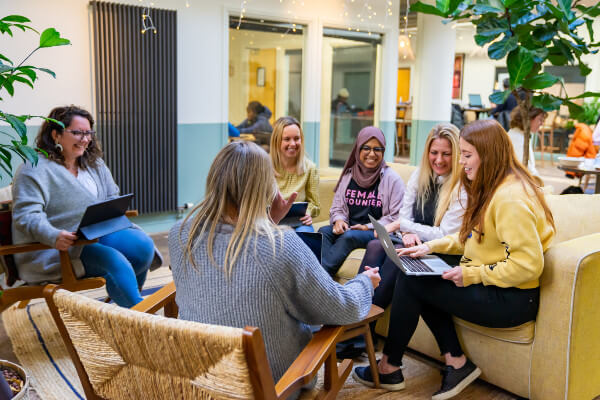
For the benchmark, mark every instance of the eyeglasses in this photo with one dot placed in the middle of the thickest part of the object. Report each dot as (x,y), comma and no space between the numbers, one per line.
(367,149)
(82,134)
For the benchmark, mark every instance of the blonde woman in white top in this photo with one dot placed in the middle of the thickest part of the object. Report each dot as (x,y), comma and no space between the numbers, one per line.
(432,208)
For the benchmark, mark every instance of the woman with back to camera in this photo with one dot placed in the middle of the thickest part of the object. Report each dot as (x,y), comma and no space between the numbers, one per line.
(506,228)
(537,116)
(232,265)
(50,199)
(367,186)
(294,172)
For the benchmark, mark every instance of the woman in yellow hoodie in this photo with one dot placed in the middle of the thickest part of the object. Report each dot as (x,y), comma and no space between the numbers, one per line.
(506,228)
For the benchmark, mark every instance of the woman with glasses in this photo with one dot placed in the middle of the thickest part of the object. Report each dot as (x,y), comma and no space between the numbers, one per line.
(294,172)
(366,187)
(49,200)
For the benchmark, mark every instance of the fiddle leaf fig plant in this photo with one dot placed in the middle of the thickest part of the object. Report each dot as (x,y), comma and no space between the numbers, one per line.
(529,33)
(12,75)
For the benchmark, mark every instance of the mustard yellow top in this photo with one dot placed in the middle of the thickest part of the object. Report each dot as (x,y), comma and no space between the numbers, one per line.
(516,235)
(307,186)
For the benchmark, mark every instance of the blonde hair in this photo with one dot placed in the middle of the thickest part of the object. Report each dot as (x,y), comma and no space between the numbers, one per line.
(277,138)
(240,178)
(426,174)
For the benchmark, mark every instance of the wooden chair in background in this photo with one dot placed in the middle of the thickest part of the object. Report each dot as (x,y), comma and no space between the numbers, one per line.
(128,354)
(547,128)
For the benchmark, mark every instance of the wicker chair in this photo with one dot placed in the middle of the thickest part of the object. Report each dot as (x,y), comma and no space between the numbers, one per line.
(126,354)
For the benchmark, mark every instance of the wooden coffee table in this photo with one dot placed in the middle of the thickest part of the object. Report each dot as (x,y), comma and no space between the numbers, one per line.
(595,172)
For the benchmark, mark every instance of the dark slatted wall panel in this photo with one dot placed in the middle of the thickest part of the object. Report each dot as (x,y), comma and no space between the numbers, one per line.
(136,101)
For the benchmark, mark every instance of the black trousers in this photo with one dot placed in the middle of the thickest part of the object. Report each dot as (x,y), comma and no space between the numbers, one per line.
(436,300)
(375,257)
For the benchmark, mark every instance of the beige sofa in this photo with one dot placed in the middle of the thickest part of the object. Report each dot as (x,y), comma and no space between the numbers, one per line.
(558,356)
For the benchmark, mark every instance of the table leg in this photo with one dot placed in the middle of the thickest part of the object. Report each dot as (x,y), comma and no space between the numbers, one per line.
(597,190)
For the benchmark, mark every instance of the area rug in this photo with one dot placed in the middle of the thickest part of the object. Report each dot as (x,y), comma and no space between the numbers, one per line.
(39,348)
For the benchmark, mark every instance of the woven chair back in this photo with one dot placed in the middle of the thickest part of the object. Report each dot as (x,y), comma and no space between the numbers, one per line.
(133,355)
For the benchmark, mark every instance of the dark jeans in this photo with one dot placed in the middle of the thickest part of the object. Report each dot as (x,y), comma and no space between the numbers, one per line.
(375,257)
(337,247)
(436,300)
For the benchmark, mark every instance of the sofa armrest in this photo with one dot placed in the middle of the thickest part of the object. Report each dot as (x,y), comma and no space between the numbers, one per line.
(565,349)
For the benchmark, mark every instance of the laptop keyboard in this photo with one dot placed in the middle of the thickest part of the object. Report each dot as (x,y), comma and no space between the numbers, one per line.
(414,264)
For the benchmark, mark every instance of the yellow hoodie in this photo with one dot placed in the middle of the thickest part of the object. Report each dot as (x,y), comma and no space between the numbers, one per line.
(516,235)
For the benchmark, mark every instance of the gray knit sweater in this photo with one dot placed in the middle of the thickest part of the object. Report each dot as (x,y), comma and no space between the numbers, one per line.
(47,198)
(281,292)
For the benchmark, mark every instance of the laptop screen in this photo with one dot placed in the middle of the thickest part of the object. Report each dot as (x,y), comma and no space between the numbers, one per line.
(314,241)
(475,100)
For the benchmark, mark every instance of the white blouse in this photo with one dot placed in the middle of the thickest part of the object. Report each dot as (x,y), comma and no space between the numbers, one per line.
(517,137)
(86,180)
(451,221)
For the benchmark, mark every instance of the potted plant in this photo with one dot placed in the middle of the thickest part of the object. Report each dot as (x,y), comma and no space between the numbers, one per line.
(21,73)
(14,383)
(528,33)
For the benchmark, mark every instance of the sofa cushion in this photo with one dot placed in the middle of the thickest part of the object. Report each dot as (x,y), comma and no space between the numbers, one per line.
(519,334)
(574,221)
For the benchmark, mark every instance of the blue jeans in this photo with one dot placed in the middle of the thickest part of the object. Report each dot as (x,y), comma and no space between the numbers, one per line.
(337,247)
(305,228)
(123,259)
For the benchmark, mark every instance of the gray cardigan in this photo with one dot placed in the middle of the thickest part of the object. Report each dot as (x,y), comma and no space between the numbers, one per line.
(47,198)
(281,292)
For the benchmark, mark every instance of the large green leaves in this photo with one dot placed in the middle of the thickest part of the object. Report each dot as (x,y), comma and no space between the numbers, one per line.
(546,102)
(51,37)
(540,81)
(499,97)
(520,63)
(565,7)
(427,9)
(16,123)
(500,49)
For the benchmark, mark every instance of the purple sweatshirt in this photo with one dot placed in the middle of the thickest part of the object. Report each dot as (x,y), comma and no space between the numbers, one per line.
(391,189)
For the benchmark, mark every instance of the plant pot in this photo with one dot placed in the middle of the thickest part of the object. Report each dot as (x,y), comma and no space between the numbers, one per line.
(24,393)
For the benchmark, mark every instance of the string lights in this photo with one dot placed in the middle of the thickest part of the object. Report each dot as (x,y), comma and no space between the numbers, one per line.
(367,16)
(147,23)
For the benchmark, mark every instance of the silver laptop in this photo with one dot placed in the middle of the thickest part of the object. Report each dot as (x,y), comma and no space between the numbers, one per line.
(423,266)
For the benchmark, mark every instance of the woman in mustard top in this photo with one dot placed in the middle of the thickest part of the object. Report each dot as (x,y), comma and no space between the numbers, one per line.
(506,228)
(294,172)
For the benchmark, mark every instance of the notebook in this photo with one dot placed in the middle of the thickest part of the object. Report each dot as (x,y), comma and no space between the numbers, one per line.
(292,218)
(314,241)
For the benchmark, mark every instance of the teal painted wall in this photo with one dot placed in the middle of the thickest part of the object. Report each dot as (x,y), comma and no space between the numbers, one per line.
(418,136)
(311,139)
(389,131)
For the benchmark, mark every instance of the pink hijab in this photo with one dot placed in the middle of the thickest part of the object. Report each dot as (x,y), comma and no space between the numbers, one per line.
(365,177)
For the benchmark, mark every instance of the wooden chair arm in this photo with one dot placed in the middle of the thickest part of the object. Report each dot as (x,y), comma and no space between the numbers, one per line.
(131,213)
(26,247)
(162,298)
(307,364)
(374,313)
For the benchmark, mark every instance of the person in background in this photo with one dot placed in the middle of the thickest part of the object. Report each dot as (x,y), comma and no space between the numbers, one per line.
(596,136)
(294,172)
(509,104)
(367,186)
(257,120)
(340,103)
(581,145)
(537,116)
(506,228)
(233,266)
(50,199)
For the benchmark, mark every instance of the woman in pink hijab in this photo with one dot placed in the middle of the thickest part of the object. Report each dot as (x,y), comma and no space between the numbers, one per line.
(367,186)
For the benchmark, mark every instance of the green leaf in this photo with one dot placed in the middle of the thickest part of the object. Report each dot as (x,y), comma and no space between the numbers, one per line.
(15,18)
(585,94)
(16,123)
(558,59)
(562,48)
(29,153)
(5,68)
(5,28)
(575,110)
(565,7)
(508,3)
(7,84)
(539,55)
(442,5)
(22,80)
(593,11)
(546,102)
(525,19)
(481,40)
(541,9)
(49,72)
(576,23)
(540,81)
(427,9)
(51,37)
(29,71)
(519,63)
(499,97)
(484,9)
(492,27)
(3,57)
(584,70)
(498,50)
(555,11)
